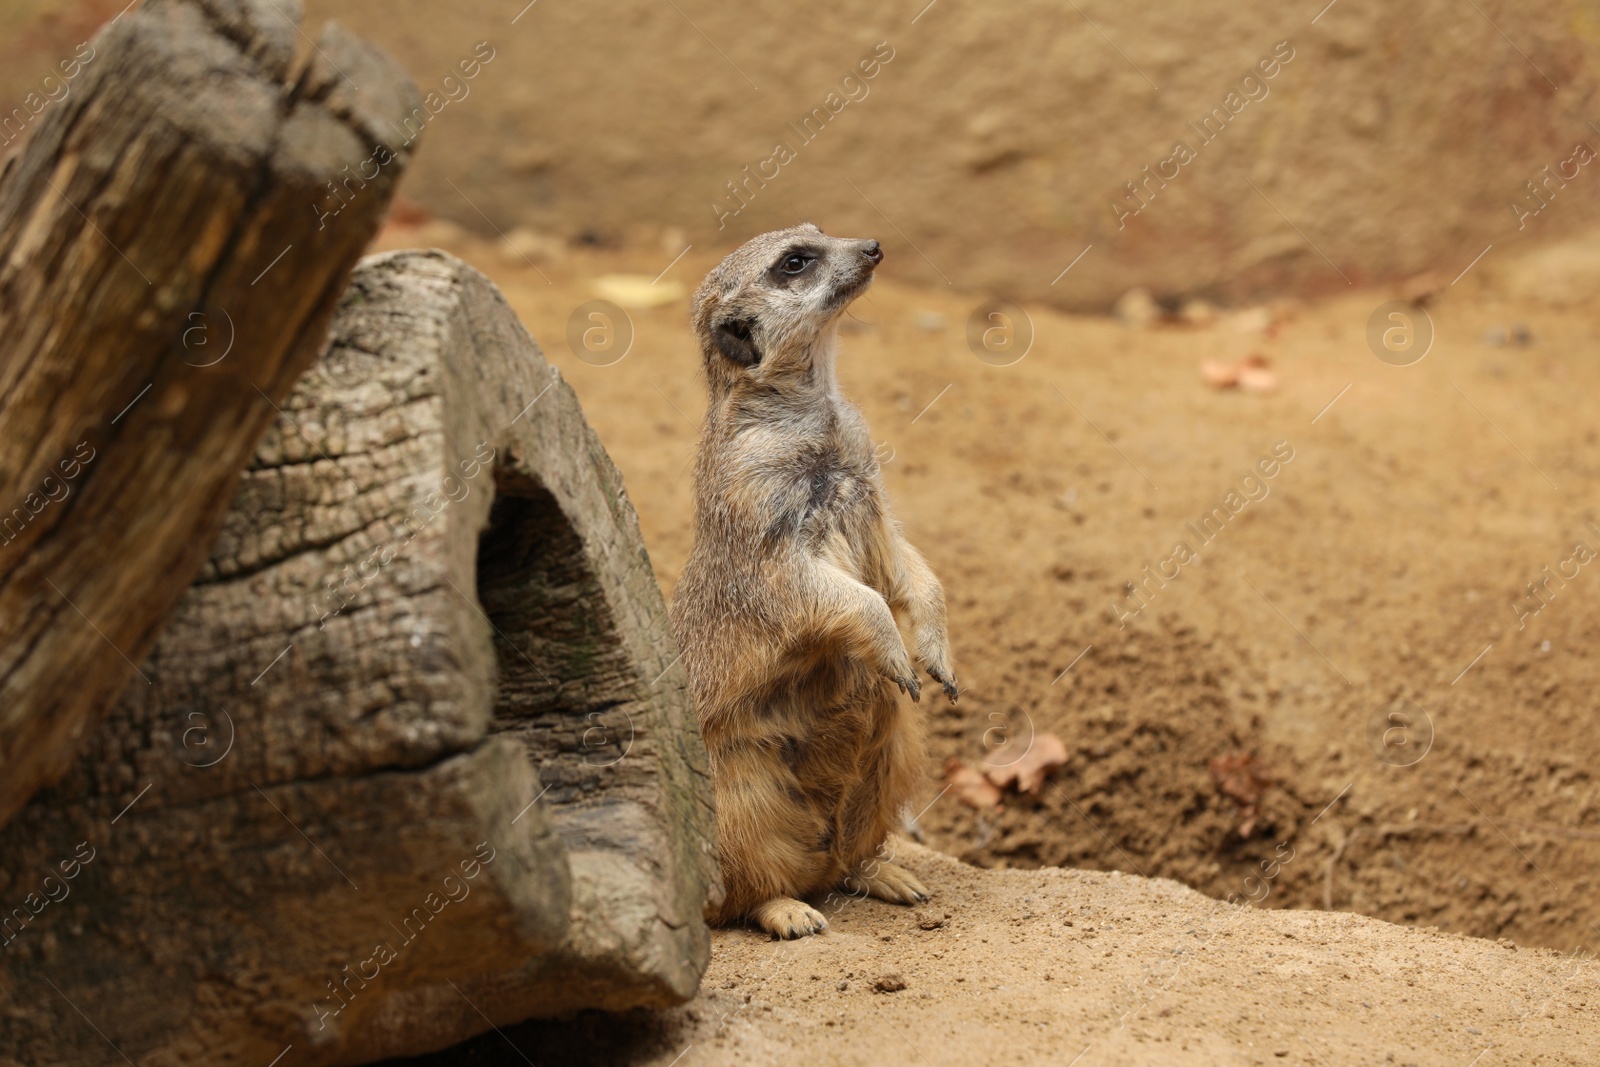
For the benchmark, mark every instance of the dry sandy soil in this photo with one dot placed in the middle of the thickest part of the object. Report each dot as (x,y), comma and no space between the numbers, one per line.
(1384,558)
(1383,563)
(1063,966)
(1001,138)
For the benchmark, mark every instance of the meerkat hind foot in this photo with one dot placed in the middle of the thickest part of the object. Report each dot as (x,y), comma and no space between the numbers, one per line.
(789,918)
(887,882)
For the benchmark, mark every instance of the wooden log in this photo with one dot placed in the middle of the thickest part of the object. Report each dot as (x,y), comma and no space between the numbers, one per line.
(428,631)
(172,209)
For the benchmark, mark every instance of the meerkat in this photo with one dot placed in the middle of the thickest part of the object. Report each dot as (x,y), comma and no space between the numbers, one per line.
(790,607)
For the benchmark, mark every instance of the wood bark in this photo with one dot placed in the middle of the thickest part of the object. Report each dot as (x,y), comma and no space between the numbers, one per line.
(173,208)
(428,631)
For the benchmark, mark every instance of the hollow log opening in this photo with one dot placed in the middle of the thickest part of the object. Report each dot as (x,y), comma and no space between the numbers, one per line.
(553,641)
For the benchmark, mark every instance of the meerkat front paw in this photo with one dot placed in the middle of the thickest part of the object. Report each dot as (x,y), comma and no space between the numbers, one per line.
(933,654)
(909,684)
(946,680)
(789,918)
(898,669)
(886,881)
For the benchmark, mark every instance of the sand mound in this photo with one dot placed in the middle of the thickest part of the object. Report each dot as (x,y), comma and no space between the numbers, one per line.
(1039,967)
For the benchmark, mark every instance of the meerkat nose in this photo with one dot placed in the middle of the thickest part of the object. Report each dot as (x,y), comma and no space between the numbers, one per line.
(872,251)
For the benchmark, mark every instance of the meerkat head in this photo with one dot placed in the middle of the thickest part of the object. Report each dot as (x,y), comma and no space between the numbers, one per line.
(768,311)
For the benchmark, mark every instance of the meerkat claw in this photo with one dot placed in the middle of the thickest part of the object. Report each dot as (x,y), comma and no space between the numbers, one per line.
(889,882)
(788,918)
(946,683)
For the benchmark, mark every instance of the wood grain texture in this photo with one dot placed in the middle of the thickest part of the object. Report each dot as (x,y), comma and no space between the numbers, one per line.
(428,625)
(164,213)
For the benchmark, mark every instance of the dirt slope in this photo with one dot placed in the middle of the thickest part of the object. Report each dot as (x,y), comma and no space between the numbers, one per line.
(1058,967)
(1003,139)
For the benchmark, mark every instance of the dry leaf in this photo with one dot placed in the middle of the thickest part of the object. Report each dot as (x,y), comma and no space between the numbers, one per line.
(637,291)
(1257,380)
(1252,374)
(1137,307)
(970,786)
(1255,375)
(1251,320)
(404,212)
(1028,772)
(1197,312)
(1242,779)
(524,245)
(1219,375)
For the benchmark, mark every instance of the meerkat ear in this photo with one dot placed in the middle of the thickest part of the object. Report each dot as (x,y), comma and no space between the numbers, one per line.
(734,340)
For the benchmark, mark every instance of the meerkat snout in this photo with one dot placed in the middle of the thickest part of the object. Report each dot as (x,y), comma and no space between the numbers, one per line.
(763,311)
(803,611)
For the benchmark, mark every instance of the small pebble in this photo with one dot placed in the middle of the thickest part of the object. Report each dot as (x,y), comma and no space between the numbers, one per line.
(1516,335)
(1136,308)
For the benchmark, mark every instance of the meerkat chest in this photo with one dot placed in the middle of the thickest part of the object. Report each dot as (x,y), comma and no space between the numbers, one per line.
(838,496)
(843,506)
(838,514)
(813,483)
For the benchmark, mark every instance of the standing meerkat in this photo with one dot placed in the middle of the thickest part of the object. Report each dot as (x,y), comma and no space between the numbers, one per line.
(790,606)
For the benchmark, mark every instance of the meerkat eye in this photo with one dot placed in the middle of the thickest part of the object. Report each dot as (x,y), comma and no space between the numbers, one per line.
(795,262)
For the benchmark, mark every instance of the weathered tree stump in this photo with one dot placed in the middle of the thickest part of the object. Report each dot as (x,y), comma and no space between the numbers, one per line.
(167,211)
(427,642)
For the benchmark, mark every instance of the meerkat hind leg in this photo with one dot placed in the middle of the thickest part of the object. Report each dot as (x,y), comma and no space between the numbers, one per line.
(886,881)
(788,918)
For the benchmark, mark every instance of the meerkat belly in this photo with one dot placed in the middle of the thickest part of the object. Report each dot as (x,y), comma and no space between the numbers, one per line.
(807,748)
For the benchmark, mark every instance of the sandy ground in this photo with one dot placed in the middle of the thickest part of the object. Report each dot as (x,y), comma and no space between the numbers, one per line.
(1384,563)
(1388,560)
(1062,966)
(1385,557)
(1384,560)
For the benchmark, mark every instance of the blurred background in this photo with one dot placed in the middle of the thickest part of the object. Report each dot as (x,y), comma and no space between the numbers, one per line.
(999,140)
(1137,254)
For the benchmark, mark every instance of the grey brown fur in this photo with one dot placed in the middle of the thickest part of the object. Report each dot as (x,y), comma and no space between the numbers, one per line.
(792,603)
